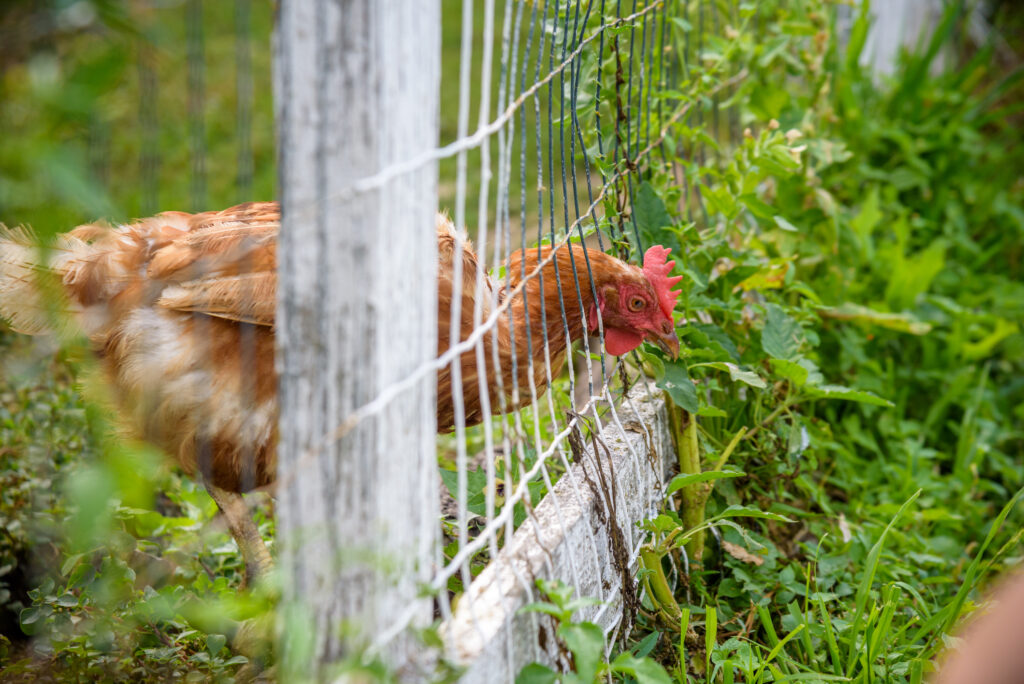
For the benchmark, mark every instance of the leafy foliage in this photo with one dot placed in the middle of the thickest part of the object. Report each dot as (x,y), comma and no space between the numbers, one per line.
(852,346)
(585,642)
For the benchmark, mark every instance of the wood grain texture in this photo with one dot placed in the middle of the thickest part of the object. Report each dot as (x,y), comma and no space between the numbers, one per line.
(356,90)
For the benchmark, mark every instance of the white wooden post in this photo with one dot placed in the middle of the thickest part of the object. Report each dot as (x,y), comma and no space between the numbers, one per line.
(356,91)
(896,25)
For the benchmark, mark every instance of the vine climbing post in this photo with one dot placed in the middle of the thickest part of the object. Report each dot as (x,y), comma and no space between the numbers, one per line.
(356,93)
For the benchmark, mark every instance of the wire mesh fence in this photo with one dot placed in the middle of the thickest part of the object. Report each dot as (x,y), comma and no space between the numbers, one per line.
(587,98)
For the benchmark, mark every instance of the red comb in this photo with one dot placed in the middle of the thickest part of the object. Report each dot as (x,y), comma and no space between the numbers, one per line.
(656,268)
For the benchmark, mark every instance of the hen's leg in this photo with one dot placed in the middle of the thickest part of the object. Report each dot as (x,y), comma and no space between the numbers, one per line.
(242,527)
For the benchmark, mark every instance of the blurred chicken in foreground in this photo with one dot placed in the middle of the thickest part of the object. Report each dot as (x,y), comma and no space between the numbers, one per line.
(987,648)
(180,308)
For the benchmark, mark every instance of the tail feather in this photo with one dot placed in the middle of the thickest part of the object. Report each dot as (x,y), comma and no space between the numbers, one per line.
(21,302)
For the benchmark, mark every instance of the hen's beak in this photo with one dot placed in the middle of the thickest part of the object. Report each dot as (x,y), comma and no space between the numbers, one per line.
(665,337)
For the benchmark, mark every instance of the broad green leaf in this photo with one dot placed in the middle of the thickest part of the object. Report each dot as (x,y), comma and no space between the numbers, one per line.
(713,339)
(737,511)
(699,280)
(653,221)
(69,564)
(902,322)
(857,38)
(800,372)
(772,49)
(863,224)
(682,480)
(67,600)
(643,670)
(677,383)
(736,373)
(768,103)
(646,645)
(707,411)
(556,590)
(476,487)
(756,206)
(771,278)
(848,394)
(663,522)
(781,336)
(586,641)
(649,210)
(654,366)
(785,225)
(915,275)
(745,376)
(215,642)
(535,673)
(682,24)
(720,200)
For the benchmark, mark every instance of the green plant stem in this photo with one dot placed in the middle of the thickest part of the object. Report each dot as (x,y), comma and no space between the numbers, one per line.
(683,426)
(657,584)
(727,452)
(695,495)
(773,415)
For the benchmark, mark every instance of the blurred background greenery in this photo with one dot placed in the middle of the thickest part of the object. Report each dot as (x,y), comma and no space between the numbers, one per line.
(102,119)
(96,109)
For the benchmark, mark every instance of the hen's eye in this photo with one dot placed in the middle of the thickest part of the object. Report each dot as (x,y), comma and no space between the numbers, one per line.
(637,303)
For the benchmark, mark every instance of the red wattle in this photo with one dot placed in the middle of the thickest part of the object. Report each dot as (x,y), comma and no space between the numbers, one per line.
(619,342)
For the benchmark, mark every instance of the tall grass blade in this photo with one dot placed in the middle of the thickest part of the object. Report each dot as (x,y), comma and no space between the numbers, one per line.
(868,578)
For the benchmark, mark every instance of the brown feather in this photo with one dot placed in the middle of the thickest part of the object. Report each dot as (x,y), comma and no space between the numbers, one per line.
(181,307)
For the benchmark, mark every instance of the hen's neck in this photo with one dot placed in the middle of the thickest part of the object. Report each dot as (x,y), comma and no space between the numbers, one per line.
(559,297)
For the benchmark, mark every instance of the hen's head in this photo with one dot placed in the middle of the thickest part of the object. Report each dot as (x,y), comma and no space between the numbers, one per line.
(636,305)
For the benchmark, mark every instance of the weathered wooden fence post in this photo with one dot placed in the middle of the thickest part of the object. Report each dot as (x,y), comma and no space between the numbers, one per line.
(356,91)
(896,25)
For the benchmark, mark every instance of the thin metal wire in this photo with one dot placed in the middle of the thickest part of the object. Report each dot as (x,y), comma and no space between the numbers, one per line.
(465,142)
(481,277)
(461,457)
(643,80)
(629,94)
(509,60)
(663,77)
(195,106)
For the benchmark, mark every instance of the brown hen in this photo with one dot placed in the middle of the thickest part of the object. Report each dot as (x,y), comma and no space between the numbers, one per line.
(180,308)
